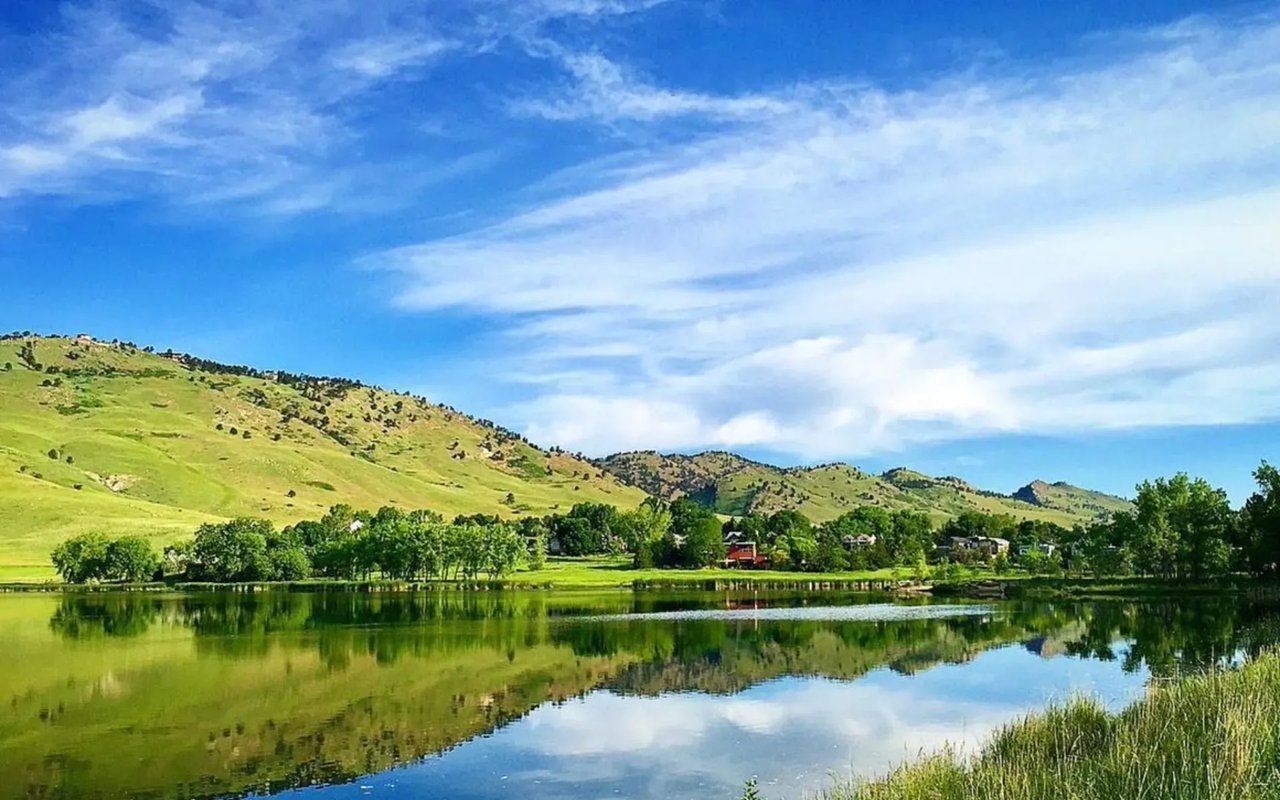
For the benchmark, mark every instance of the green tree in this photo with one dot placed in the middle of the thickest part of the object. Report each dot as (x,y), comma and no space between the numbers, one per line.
(232,551)
(830,554)
(793,540)
(644,526)
(537,545)
(1260,521)
(82,558)
(503,550)
(131,559)
(1184,528)
(703,541)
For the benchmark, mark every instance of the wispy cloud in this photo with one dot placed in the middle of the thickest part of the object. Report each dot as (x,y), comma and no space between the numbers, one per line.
(603,90)
(257,102)
(1090,244)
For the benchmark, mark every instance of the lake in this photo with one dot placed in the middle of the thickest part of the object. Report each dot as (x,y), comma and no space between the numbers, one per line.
(331,695)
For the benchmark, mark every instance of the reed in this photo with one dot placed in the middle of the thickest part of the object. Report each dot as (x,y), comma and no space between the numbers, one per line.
(1212,736)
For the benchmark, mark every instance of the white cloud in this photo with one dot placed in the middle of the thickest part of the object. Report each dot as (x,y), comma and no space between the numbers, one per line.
(606,91)
(1086,245)
(258,102)
(380,58)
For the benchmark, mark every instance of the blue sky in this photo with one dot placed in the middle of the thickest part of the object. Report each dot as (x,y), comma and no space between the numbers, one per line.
(996,240)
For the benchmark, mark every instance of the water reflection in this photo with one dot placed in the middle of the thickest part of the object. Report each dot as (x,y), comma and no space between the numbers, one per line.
(578,696)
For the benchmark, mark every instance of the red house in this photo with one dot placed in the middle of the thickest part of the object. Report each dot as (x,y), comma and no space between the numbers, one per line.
(744,555)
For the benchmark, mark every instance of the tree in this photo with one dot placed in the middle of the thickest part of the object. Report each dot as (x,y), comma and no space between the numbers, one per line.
(604,528)
(131,559)
(537,557)
(792,537)
(503,550)
(753,527)
(830,554)
(640,528)
(82,558)
(289,563)
(232,551)
(1260,521)
(703,541)
(576,536)
(1184,528)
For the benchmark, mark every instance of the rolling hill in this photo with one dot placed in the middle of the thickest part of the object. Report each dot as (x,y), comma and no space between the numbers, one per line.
(111,437)
(108,436)
(731,484)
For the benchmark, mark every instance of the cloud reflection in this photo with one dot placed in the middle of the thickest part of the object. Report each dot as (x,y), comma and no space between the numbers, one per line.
(795,734)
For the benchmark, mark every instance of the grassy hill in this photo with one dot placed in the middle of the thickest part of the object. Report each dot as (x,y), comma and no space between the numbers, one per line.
(731,484)
(107,436)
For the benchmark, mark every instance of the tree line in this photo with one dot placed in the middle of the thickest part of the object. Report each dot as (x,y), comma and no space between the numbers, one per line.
(1179,528)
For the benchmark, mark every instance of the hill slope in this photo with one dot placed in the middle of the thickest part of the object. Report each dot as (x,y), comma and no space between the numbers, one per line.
(731,484)
(106,436)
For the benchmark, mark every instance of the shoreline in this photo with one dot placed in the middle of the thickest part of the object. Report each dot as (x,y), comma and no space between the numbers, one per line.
(970,587)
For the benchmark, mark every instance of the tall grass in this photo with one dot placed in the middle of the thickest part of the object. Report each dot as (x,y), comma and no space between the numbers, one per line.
(1215,736)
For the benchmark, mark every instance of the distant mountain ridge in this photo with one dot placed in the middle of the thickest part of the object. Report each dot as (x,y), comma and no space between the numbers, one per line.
(732,484)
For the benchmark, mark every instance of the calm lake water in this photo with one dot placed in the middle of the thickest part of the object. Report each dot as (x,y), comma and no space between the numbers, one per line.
(577,696)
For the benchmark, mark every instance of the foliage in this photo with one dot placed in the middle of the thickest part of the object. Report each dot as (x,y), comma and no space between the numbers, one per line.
(82,558)
(232,551)
(1260,521)
(131,559)
(94,557)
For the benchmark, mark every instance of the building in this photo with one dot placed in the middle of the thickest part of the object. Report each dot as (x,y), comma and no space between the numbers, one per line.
(986,545)
(858,542)
(744,555)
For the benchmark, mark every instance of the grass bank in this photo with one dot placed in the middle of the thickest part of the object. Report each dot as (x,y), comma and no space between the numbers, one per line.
(1206,737)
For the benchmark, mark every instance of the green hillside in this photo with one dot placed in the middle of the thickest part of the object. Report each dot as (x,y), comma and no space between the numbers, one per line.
(107,436)
(731,484)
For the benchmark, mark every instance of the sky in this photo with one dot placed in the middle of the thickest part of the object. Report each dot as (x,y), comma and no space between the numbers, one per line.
(1001,241)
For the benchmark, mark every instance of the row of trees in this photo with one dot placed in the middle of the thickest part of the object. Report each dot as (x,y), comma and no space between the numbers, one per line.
(1179,528)
(1184,528)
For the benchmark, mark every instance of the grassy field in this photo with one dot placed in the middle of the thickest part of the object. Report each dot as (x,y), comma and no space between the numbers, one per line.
(133,442)
(1205,737)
